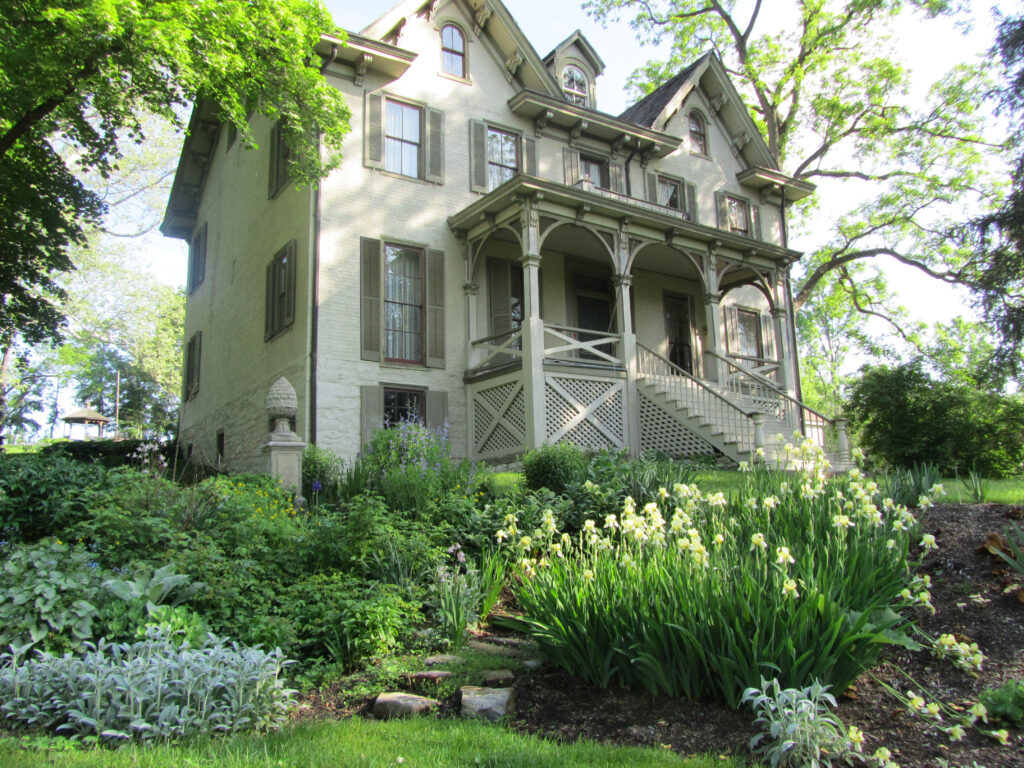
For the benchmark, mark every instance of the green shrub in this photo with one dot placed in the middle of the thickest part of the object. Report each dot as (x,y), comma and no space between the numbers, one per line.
(1006,702)
(695,596)
(906,485)
(328,480)
(555,467)
(41,495)
(50,595)
(147,690)
(904,417)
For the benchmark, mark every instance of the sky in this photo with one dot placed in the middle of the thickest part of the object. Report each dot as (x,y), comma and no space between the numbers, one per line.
(930,48)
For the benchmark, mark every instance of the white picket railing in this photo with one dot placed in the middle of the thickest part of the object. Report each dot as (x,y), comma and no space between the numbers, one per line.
(699,398)
(566,342)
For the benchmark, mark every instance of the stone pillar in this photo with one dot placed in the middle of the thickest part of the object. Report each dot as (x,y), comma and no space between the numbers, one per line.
(843,452)
(284,448)
(624,316)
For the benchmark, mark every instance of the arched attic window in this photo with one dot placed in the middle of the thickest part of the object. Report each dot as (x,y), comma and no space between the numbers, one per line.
(698,133)
(575,86)
(453,51)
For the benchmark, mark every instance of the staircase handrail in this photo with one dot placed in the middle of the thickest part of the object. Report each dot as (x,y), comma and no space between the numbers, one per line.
(769,383)
(676,370)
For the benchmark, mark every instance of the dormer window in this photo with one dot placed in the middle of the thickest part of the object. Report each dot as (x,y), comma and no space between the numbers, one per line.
(698,134)
(575,86)
(453,51)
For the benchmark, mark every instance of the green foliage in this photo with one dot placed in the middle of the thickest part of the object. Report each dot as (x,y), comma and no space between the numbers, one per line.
(1006,702)
(1014,535)
(148,690)
(978,487)
(700,606)
(456,597)
(555,467)
(903,416)
(40,495)
(797,727)
(50,595)
(906,485)
(87,71)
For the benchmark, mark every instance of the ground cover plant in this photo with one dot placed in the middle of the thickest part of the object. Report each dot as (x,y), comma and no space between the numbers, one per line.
(696,595)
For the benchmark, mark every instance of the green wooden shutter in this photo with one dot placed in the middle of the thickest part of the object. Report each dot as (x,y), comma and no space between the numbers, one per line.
(289,294)
(435,309)
(618,178)
(732,329)
(371,411)
(767,337)
(437,408)
(268,322)
(530,155)
(197,361)
(691,202)
(722,208)
(435,146)
(652,186)
(275,138)
(755,222)
(373,131)
(370,304)
(571,163)
(477,156)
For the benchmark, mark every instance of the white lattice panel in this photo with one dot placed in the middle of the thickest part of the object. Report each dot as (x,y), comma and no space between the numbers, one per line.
(659,431)
(587,412)
(499,420)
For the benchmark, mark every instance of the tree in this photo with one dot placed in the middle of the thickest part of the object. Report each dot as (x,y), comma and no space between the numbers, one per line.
(831,100)
(77,76)
(997,263)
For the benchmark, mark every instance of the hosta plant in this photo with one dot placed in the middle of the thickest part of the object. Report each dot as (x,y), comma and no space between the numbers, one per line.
(797,727)
(151,689)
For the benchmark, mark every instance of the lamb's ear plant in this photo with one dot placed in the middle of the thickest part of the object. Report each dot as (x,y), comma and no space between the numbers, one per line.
(797,727)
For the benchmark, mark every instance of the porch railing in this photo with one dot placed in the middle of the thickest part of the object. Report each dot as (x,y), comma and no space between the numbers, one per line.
(588,186)
(497,350)
(699,398)
(765,394)
(565,342)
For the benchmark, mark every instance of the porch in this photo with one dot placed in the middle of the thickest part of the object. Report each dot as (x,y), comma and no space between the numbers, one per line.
(599,321)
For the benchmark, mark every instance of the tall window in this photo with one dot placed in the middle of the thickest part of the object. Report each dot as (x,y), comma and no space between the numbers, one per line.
(280,158)
(596,170)
(280,305)
(453,51)
(502,157)
(670,193)
(193,354)
(403,304)
(739,215)
(402,139)
(197,259)
(698,134)
(403,405)
(575,86)
(748,329)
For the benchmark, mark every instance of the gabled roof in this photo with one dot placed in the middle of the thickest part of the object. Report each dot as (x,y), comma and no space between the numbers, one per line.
(577,38)
(488,15)
(709,74)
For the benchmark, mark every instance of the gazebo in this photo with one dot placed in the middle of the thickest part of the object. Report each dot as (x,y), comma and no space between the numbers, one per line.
(86,417)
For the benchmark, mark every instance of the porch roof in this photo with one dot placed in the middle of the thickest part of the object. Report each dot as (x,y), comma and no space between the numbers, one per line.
(639,218)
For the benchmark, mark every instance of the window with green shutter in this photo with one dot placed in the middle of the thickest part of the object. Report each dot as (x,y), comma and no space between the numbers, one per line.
(197,259)
(280,159)
(280,302)
(193,355)
(403,138)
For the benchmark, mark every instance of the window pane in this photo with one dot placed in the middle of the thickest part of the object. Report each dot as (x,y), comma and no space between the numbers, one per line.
(411,124)
(410,159)
(749,331)
(668,194)
(394,120)
(508,150)
(737,215)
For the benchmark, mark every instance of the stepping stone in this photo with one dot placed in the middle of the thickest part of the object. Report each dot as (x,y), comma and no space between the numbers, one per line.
(487,703)
(442,658)
(519,643)
(493,677)
(402,705)
(531,664)
(497,650)
(434,676)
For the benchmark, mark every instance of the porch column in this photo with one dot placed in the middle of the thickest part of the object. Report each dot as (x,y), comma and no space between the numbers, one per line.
(624,315)
(785,374)
(472,332)
(714,368)
(533,352)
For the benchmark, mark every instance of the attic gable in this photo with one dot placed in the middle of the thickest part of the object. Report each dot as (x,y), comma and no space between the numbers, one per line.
(491,20)
(578,41)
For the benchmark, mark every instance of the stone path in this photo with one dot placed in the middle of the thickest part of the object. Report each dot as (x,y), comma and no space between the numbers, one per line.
(491,701)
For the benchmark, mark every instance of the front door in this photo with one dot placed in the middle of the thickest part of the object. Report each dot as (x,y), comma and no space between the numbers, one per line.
(677,329)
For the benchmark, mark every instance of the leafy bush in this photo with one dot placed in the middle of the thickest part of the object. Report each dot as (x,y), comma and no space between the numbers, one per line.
(50,594)
(150,689)
(1005,702)
(555,467)
(785,577)
(906,485)
(904,417)
(456,598)
(41,495)
(797,727)
(328,480)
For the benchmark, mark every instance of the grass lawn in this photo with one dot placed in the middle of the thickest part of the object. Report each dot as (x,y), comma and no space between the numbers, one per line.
(420,743)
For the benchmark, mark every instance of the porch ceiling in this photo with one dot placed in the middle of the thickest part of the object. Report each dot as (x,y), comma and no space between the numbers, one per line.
(639,219)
